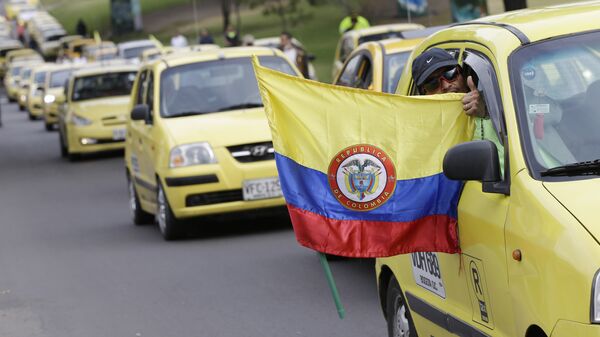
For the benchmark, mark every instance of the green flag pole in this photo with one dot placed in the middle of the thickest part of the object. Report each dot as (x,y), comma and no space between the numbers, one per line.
(332,286)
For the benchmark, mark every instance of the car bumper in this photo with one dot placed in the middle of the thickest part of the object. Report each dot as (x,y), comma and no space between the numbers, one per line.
(215,189)
(34,105)
(50,112)
(569,328)
(90,139)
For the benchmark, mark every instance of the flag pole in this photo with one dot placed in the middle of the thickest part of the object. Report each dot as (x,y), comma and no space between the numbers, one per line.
(332,286)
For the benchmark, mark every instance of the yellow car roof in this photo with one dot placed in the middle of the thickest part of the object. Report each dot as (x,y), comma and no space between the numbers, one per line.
(209,55)
(103,69)
(393,46)
(542,23)
(373,30)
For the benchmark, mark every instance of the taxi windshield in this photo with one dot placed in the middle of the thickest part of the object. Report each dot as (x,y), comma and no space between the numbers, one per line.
(214,86)
(40,77)
(394,64)
(104,85)
(556,84)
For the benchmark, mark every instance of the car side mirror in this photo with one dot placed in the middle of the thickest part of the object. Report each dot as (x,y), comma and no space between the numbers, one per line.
(475,160)
(141,112)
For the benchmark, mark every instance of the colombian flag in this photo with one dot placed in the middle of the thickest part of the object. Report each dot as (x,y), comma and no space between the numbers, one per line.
(361,171)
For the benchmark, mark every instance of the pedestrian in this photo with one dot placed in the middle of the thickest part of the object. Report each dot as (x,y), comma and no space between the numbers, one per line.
(294,53)
(81,28)
(231,36)
(248,40)
(353,22)
(179,41)
(205,37)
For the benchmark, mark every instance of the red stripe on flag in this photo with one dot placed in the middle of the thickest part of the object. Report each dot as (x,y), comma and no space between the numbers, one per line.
(359,238)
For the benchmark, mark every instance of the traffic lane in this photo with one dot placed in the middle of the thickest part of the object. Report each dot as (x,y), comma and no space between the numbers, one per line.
(74,264)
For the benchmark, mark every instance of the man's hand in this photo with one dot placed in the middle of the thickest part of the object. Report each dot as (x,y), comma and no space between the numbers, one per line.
(473,101)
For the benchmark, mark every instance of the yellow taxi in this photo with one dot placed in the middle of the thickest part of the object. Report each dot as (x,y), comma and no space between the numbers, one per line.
(7,46)
(527,222)
(19,54)
(353,38)
(12,79)
(35,94)
(97,102)
(198,141)
(74,48)
(53,91)
(23,88)
(93,52)
(376,65)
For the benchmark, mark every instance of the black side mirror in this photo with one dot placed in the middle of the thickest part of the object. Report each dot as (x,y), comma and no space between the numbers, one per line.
(476,160)
(311,57)
(141,112)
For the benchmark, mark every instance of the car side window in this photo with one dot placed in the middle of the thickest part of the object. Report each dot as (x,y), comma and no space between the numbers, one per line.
(414,91)
(141,86)
(150,93)
(346,48)
(349,72)
(482,70)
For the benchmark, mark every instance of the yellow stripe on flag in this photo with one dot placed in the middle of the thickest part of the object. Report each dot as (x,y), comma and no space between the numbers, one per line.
(311,122)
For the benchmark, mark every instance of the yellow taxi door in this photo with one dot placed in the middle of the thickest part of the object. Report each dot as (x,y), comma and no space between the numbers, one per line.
(135,153)
(147,140)
(467,294)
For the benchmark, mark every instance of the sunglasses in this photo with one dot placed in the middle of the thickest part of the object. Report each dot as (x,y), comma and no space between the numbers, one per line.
(433,83)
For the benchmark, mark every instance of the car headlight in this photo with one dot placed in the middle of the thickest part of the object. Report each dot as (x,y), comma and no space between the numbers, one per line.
(192,154)
(595,305)
(80,121)
(49,99)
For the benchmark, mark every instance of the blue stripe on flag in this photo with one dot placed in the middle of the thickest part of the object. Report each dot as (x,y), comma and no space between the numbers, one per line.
(412,199)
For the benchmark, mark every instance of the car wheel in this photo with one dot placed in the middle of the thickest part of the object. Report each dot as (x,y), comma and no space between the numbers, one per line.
(399,321)
(22,108)
(31,117)
(140,217)
(64,152)
(169,227)
(49,126)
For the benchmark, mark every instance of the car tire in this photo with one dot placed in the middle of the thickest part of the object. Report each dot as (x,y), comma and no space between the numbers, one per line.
(64,152)
(31,117)
(139,216)
(399,320)
(49,127)
(170,227)
(22,108)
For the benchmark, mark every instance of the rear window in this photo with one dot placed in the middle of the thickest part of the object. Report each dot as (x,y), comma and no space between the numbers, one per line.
(104,85)
(58,78)
(130,53)
(213,86)
(40,78)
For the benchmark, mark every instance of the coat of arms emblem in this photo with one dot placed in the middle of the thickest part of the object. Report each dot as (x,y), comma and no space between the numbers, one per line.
(362,177)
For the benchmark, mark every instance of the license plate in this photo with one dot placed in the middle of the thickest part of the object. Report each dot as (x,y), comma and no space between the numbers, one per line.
(261,189)
(118,134)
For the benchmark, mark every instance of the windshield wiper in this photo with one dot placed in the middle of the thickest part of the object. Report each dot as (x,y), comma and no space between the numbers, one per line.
(187,113)
(584,168)
(242,106)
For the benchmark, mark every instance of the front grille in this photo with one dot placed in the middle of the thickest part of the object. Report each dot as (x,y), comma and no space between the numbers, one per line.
(248,153)
(213,198)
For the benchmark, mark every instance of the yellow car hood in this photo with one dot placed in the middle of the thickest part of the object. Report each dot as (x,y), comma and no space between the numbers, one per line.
(115,107)
(580,198)
(221,128)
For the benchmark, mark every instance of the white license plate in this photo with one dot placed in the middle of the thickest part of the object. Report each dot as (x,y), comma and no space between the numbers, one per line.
(118,134)
(261,189)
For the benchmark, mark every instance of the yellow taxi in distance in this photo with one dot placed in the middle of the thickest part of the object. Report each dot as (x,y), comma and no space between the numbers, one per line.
(54,92)
(12,79)
(353,38)
(74,48)
(20,54)
(35,94)
(529,230)
(24,82)
(5,47)
(376,65)
(198,141)
(97,102)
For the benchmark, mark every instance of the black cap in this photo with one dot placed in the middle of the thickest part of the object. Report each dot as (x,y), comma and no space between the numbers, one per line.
(430,61)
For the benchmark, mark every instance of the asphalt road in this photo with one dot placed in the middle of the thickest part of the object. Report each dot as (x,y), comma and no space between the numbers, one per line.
(72,264)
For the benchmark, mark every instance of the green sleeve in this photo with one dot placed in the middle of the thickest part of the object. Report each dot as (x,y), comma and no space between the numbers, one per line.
(484,129)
